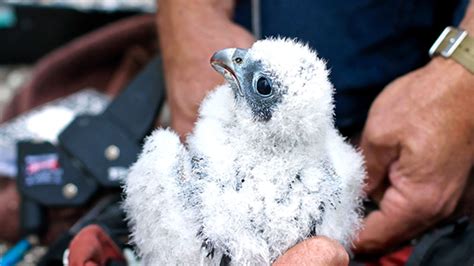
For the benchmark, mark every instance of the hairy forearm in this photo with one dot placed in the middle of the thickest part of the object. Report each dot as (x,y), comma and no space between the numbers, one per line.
(181,12)
(187,22)
(190,31)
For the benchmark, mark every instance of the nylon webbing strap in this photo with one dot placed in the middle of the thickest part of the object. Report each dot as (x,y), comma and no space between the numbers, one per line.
(107,144)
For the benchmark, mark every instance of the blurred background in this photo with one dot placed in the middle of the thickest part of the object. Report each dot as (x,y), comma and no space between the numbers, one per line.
(29,29)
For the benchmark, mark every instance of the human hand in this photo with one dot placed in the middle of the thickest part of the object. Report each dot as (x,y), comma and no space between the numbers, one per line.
(419,148)
(315,251)
(189,34)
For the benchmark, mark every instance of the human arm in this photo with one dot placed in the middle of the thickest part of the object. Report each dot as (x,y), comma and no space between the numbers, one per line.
(190,31)
(418,144)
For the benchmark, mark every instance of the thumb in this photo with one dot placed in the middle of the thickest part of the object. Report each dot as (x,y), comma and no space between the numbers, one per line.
(388,226)
(378,156)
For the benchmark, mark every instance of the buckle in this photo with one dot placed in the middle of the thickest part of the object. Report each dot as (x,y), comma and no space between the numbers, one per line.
(447,42)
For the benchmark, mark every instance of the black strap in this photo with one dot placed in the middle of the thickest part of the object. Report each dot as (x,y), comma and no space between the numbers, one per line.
(452,244)
(135,109)
(76,170)
(107,144)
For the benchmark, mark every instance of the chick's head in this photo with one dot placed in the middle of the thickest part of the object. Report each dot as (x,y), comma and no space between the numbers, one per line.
(281,89)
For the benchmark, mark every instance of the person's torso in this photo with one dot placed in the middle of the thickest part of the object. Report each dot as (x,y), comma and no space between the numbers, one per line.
(367,43)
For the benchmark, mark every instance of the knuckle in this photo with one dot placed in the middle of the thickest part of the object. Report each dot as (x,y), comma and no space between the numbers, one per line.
(432,209)
(447,210)
(331,252)
(419,144)
(430,212)
(341,259)
(374,133)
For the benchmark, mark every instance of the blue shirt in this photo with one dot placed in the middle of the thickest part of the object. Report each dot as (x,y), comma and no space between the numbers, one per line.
(367,43)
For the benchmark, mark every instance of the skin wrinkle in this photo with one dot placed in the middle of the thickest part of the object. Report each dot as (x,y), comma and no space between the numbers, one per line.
(423,147)
(399,176)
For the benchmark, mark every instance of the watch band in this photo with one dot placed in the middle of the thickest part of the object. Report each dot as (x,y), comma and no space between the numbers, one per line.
(455,44)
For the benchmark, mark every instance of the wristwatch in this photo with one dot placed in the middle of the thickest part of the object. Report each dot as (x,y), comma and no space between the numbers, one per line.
(455,44)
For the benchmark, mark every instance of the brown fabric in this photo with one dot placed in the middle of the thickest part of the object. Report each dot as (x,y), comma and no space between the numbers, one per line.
(9,214)
(105,60)
(92,246)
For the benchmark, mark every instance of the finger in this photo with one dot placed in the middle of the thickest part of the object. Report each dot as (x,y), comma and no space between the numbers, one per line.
(334,254)
(315,251)
(377,161)
(182,126)
(389,226)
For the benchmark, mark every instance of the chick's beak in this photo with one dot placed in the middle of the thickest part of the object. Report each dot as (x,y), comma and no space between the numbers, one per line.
(223,62)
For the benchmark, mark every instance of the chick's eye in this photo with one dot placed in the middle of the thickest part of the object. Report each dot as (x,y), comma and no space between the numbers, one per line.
(263,87)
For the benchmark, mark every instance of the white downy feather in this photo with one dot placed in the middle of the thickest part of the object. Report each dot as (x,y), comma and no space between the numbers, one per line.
(245,188)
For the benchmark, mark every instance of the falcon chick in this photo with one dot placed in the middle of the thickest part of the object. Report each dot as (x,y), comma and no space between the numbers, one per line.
(264,168)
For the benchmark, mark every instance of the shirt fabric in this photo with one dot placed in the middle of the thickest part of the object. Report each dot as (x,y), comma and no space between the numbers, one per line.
(367,43)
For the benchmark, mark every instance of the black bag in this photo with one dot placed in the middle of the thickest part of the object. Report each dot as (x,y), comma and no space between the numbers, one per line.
(452,244)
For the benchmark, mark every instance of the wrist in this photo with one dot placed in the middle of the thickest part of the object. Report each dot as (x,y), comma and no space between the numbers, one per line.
(458,88)
(452,68)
